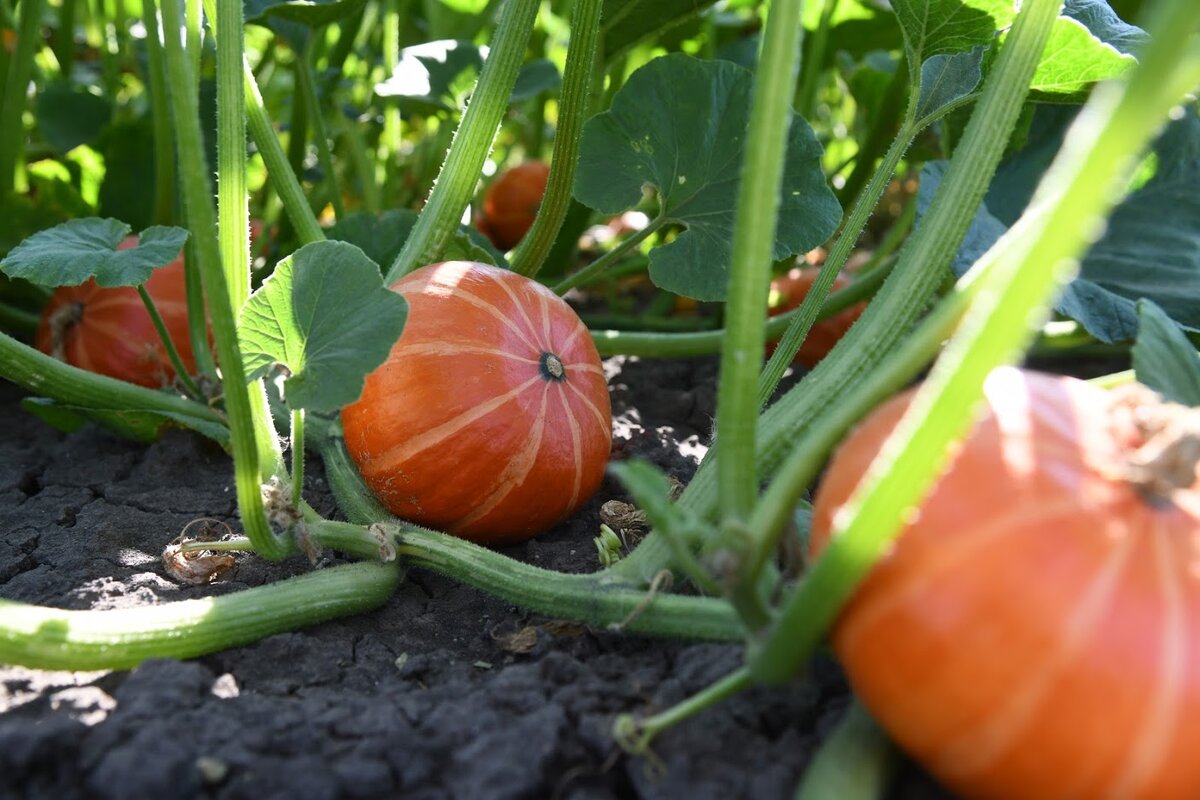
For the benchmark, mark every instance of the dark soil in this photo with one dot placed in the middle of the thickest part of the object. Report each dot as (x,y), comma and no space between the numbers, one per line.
(424,698)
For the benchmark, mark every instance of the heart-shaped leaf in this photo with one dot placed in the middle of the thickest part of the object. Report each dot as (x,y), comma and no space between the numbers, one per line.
(1163,358)
(326,316)
(678,126)
(70,253)
(946,79)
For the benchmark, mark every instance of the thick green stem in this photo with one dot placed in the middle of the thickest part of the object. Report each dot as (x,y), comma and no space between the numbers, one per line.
(574,103)
(64,45)
(604,262)
(297,447)
(12,103)
(306,82)
(1018,279)
(923,261)
(51,638)
(181,371)
(750,271)
(17,319)
(472,141)
(160,110)
(41,374)
(243,403)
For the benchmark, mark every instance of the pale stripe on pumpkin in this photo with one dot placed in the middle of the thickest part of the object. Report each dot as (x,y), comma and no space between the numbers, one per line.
(515,471)
(490,308)
(977,750)
(519,305)
(453,349)
(576,450)
(1152,742)
(392,459)
(601,419)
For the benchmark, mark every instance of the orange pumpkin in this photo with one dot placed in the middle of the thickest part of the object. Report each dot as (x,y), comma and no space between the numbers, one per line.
(1035,631)
(490,418)
(511,203)
(108,330)
(789,290)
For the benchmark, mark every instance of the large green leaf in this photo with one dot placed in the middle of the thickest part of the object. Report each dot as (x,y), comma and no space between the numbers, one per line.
(326,316)
(1163,358)
(678,126)
(1105,25)
(381,238)
(69,115)
(1151,245)
(440,75)
(126,191)
(70,253)
(623,23)
(1075,60)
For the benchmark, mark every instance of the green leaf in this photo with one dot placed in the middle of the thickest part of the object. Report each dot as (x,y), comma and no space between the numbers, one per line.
(679,126)
(381,238)
(935,27)
(326,316)
(1074,61)
(440,76)
(135,424)
(1163,358)
(309,13)
(946,79)
(70,253)
(1105,25)
(623,23)
(69,115)
(1150,248)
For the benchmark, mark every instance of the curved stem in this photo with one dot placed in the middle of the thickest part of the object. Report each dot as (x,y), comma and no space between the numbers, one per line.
(42,374)
(472,141)
(597,267)
(164,336)
(51,638)
(573,105)
(854,763)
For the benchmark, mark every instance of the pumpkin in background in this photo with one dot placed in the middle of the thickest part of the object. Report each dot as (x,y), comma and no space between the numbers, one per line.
(1035,630)
(789,290)
(490,418)
(108,330)
(511,203)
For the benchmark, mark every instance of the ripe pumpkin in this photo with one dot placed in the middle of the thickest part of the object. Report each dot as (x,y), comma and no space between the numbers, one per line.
(490,418)
(1035,630)
(108,330)
(789,290)
(511,203)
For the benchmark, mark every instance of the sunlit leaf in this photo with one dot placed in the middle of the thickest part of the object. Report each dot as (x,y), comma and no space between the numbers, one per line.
(326,316)
(1163,358)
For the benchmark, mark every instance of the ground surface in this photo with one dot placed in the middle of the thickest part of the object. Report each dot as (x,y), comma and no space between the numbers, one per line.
(424,698)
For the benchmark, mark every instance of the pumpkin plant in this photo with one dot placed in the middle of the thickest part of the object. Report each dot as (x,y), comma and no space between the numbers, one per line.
(468,397)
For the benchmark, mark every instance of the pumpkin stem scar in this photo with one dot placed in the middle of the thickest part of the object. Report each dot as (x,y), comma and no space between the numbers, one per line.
(551,368)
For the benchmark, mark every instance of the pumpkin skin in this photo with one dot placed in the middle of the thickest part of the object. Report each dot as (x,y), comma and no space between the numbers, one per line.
(470,426)
(114,334)
(788,291)
(511,203)
(1032,632)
